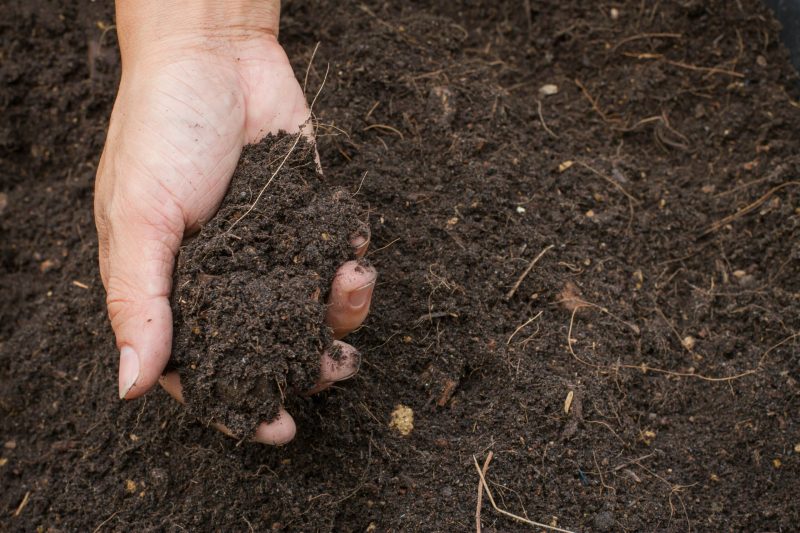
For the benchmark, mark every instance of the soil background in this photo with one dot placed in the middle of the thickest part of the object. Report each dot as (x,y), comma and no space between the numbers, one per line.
(661,178)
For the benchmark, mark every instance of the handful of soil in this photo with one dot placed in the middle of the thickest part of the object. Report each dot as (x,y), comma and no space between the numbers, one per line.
(250,290)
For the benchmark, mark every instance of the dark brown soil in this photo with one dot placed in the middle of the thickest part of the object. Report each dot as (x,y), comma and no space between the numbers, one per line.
(250,290)
(665,307)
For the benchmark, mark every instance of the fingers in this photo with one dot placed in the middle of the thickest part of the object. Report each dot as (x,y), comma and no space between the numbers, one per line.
(342,365)
(277,432)
(350,297)
(360,243)
(137,254)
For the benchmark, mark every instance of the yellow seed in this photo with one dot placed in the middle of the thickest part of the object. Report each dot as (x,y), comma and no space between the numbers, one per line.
(565,165)
(130,485)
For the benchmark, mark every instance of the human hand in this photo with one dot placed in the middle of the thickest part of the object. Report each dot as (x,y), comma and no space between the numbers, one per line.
(199,82)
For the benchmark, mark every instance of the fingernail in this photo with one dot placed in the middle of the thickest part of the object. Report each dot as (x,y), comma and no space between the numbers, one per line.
(128,370)
(360,296)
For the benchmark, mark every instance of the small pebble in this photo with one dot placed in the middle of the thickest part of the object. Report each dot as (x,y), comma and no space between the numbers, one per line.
(520,209)
(46,265)
(688,342)
(548,89)
(614,13)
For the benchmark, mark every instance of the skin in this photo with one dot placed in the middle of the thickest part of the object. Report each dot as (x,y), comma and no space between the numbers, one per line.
(200,80)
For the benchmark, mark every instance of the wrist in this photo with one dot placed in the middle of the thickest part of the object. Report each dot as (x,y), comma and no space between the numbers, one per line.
(147,27)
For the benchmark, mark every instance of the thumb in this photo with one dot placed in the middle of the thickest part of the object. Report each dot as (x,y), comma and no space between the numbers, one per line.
(138,242)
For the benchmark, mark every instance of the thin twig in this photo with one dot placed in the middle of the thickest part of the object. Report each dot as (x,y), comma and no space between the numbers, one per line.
(291,149)
(522,276)
(541,119)
(310,62)
(631,199)
(22,504)
(104,522)
(687,66)
(372,252)
(506,513)
(752,207)
(591,99)
(480,493)
(286,157)
(776,346)
(522,326)
(614,183)
(646,36)
(362,182)
(385,127)
(321,86)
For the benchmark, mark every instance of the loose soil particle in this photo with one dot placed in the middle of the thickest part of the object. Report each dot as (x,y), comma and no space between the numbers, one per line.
(676,115)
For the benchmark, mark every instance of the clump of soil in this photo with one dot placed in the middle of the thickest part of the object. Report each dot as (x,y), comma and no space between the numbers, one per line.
(250,290)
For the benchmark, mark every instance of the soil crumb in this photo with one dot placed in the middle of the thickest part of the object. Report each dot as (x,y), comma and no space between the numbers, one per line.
(250,290)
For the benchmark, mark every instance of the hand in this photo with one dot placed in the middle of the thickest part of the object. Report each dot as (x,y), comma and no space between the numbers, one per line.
(198,83)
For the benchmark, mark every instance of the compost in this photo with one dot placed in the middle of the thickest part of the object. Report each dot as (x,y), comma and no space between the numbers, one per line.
(585,219)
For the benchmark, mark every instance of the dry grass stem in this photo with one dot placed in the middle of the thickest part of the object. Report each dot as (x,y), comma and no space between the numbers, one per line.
(748,209)
(502,511)
(527,271)
(541,119)
(522,326)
